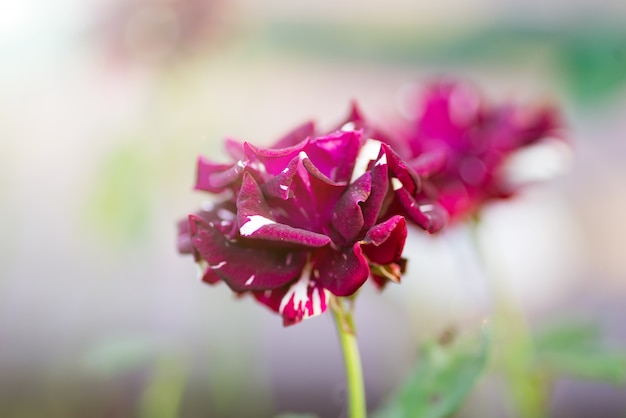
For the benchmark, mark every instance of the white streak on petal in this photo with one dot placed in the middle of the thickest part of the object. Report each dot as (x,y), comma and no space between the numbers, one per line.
(297,297)
(320,296)
(284,187)
(218,265)
(255,222)
(427,208)
(299,291)
(382,160)
(368,152)
(241,164)
(250,280)
(288,259)
(316,303)
(396,183)
(303,155)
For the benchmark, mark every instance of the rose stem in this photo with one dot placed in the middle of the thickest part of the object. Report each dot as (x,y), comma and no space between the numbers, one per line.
(352,359)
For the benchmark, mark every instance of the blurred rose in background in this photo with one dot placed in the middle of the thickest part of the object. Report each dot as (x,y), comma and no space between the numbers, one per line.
(104,107)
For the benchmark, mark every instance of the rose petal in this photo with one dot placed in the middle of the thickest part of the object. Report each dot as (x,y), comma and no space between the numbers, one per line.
(347,218)
(314,197)
(234,148)
(256,220)
(183,243)
(279,186)
(273,160)
(342,272)
(384,243)
(245,267)
(221,215)
(290,196)
(428,215)
(284,234)
(251,202)
(429,163)
(380,186)
(368,152)
(216,178)
(300,300)
(408,178)
(206,272)
(334,154)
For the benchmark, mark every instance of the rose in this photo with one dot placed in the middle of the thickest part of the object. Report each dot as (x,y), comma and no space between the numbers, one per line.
(462,145)
(306,221)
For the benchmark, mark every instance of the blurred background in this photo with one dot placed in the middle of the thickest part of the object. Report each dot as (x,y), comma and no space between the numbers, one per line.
(104,107)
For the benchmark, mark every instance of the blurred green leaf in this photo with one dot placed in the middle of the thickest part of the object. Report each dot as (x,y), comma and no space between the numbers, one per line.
(576,350)
(443,378)
(557,338)
(594,62)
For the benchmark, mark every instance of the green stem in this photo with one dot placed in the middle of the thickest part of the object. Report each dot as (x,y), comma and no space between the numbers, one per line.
(352,359)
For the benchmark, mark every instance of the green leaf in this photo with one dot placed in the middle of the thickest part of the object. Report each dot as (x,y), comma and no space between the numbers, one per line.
(443,378)
(566,336)
(576,350)
(594,63)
